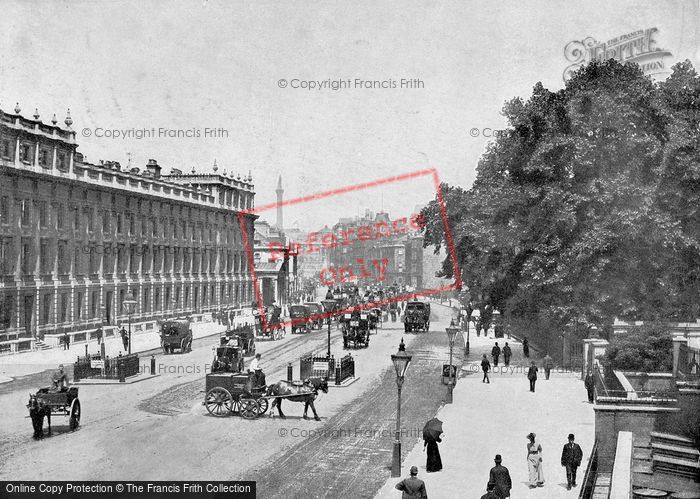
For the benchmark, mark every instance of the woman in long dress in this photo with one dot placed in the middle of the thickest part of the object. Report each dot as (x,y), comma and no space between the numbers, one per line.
(434,463)
(534,462)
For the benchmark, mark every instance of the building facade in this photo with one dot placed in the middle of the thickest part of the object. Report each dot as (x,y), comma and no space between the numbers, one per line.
(77,237)
(402,253)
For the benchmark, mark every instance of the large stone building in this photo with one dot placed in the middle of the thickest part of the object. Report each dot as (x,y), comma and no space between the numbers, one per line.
(77,237)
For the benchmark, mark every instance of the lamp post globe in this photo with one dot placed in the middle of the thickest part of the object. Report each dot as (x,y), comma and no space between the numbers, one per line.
(401,361)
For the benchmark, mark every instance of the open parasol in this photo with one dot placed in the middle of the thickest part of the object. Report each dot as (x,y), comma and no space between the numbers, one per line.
(432,429)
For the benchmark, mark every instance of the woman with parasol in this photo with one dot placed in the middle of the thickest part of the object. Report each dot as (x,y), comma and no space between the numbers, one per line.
(431,436)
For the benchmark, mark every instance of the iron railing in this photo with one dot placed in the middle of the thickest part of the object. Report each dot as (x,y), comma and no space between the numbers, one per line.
(589,477)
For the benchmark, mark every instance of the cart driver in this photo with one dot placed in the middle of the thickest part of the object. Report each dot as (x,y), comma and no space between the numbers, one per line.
(256,371)
(59,380)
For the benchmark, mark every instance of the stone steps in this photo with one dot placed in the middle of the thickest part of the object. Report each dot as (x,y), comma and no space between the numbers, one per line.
(674,455)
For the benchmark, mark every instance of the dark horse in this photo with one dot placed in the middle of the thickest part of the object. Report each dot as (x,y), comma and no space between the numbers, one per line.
(298,392)
(37,411)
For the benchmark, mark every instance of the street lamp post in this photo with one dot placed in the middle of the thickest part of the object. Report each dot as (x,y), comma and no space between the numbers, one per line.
(451,335)
(401,361)
(328,306)
(129,305)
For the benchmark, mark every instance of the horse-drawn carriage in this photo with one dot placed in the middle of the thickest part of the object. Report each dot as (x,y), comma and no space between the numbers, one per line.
(176,334)
(355,327)
(46,402)
(242,337)
(375,318)
(315,309)
(299,315)
(227,359)
(237,393)
(272,328)
(417,316)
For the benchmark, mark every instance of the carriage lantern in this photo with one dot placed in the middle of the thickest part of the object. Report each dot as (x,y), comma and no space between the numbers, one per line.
(401,360)
(129,306)
(452,331)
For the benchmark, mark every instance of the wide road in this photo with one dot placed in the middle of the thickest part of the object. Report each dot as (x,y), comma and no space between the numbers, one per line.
(157,429)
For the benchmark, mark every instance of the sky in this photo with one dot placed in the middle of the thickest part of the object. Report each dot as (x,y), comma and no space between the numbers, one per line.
(238,66)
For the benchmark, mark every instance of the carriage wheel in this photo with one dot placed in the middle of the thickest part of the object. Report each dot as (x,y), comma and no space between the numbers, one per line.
(219,402)
(249,408)
(262,406)
(165,348)
(236,405)
(183,345)
(74,420)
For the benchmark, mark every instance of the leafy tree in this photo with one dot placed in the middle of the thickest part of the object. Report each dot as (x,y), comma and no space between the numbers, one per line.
(587,207)
(648,348)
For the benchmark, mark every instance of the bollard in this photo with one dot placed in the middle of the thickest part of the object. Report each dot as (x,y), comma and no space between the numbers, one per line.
(290,372)
(120,369)
(337,375)
(153,365)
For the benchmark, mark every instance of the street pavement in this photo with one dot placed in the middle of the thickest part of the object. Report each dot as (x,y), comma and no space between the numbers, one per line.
(349,455)
(489,419)
(23,364)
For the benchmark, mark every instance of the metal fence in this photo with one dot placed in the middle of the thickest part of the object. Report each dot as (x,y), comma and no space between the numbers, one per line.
(589,477)
(609,390)
(344,369)
(114,367)
(311,366)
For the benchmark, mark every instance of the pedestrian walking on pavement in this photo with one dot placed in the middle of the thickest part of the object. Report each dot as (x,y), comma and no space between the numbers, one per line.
(526,347)
(66,341)
(507,353)
(125,339)
(486,367)
(590,386)
(412,487)
(495,353)
(548,364)
(434,462)
(499,479)
(571,456)
(98,334)
(534,462)
(532,375)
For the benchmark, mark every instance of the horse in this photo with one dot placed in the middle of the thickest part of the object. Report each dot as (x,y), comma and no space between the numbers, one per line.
(295,392)
(37,411)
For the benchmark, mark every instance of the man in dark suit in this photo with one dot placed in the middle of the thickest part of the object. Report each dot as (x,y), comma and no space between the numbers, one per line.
(412,487)
(499,477)
(495,353)
(571,457)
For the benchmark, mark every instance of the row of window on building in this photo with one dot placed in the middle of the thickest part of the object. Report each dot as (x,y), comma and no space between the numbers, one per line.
(124,223)
(80,257)
(87,305)
(27,153)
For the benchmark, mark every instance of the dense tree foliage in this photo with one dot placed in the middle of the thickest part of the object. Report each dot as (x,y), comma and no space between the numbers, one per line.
(587,207)
(646,349)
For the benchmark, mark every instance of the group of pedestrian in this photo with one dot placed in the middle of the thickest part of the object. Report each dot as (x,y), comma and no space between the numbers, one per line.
(500,483)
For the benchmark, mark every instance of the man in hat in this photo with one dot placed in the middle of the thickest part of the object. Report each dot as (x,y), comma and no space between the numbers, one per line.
(532,375)
(548,365)
(590,386)
(412,487)
(507,353)
(571,457)
(495,353)
(59,380)
(499,477)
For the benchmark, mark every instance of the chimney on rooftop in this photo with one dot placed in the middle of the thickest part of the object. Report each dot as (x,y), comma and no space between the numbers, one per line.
(154,168)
